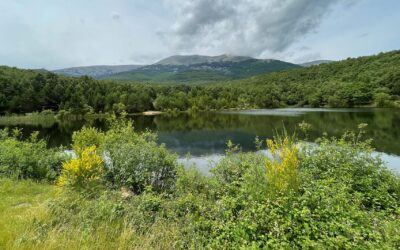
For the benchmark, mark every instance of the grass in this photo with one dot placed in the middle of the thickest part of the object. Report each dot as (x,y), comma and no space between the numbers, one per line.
(20,203)
(26,223)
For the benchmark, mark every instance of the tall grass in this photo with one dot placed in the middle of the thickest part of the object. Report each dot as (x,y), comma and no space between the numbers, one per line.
(21,202)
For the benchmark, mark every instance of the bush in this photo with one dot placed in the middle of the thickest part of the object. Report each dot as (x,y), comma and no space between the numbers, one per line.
(383,100)
(84,172)
(136,161)
(352,164)
(132,160)
(86,137)
(282,168)
(30,158)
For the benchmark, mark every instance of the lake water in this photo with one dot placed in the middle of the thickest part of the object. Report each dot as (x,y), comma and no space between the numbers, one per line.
(204,135)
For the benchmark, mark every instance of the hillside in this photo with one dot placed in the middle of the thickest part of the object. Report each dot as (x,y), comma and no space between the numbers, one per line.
(314,63)
(370,80)
(347,83)
(190,69)
(200,69)
(198,59)
(96,71)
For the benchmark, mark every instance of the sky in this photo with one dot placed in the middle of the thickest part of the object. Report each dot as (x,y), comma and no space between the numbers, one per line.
(55,34)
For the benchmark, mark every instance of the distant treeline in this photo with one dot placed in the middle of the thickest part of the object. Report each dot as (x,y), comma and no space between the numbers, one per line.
(373,80)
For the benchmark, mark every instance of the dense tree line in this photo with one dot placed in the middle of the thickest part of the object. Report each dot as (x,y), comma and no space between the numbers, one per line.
(348,83)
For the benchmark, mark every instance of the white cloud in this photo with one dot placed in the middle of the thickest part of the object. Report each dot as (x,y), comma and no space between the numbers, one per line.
(248,27)
(57,34)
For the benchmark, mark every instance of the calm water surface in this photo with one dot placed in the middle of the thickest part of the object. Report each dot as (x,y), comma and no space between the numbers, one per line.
(204,135)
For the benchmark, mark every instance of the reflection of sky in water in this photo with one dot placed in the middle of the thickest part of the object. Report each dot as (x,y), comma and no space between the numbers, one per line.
(392,161)
(206,162)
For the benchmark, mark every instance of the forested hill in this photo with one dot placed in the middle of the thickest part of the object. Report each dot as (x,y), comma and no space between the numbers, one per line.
(178,70)
(314,63)
(184,69)
(96,71)
(346,83)
(373,80)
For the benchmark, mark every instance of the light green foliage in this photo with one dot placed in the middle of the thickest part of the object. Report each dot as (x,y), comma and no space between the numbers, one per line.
(86,137)
(21,203)
(29,158)
(383,100)
(330,195)
(131,160)
(141,164)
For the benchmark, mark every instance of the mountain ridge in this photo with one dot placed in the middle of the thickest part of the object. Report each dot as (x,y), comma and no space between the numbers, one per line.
(187,69)
(199,59)
(315,62)
(207,72)
(95,71)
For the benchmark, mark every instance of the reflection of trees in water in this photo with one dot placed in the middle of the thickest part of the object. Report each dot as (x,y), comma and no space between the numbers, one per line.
(57,133)
(208,132)
(382,127)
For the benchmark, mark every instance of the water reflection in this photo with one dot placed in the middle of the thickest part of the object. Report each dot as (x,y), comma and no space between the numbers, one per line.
(207,133)
(205,162)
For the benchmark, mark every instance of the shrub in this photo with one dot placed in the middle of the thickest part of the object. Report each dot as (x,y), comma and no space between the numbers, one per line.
(86,137)
(350,162)
(282,168)
(29,158)
(84,172)
(131,159)
(137,165)
(383,100)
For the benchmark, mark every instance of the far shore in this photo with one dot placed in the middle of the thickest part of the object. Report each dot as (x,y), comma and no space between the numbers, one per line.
(152,112)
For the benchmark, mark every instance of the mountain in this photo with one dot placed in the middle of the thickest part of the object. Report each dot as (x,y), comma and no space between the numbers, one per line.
(317,62)
(191,69)
(197,59)
(201,69)
(96,71)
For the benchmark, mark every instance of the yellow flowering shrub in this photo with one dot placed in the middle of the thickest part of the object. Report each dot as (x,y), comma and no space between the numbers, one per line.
(282,168)
(84,171)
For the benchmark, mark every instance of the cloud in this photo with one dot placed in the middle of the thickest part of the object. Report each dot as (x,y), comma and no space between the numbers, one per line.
(248,27)
(115,16)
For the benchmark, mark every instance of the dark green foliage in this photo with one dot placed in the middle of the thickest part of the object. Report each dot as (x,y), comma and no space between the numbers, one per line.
(348,83)
(202,73)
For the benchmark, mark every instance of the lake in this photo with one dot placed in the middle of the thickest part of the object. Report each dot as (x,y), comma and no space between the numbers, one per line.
(204,135)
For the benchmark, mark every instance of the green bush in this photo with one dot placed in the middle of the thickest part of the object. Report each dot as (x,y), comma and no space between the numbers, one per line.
(383,100)
(132,160)
(345,198)
(139,165)
(136,161)
(29,158)
(86,137)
